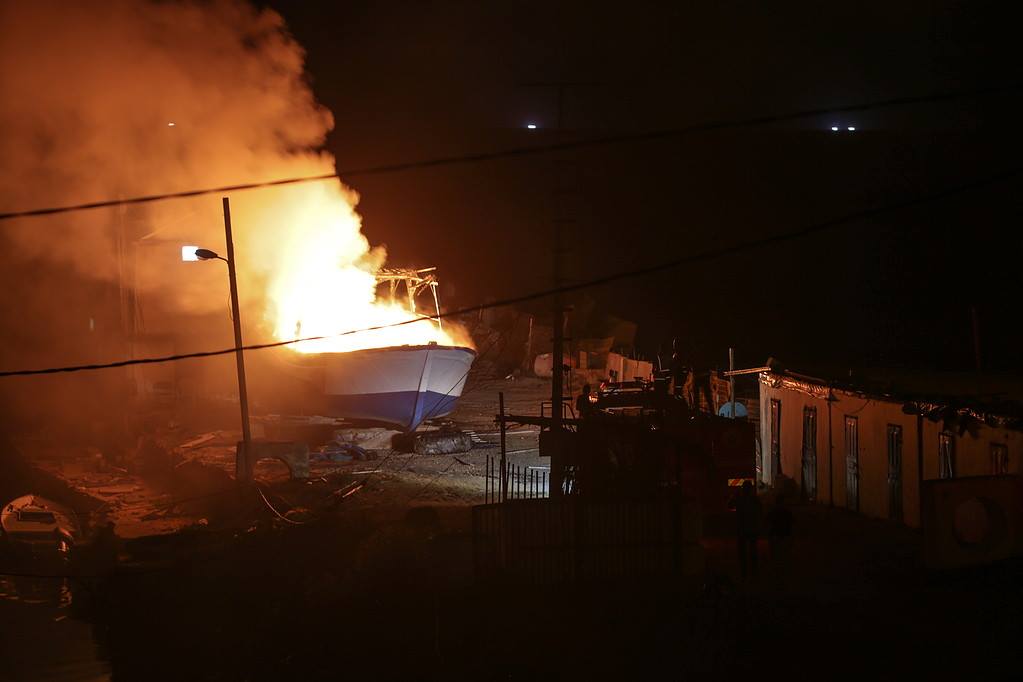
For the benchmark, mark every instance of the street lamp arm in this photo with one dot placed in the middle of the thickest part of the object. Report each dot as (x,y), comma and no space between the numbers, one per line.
(206,254)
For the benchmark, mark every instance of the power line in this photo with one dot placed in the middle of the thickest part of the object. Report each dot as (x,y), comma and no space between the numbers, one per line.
(711,254)
(430,482)
(479,358)
(479,157)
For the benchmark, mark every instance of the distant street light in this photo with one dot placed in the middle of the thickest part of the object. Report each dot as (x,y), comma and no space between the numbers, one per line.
(851,128)
(241,464)
(531,126)
(834,128)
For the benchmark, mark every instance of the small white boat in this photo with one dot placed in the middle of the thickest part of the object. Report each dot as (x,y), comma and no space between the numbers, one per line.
(398,385)
(38,524)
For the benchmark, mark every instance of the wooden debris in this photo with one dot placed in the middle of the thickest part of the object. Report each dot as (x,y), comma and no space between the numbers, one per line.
(201,440)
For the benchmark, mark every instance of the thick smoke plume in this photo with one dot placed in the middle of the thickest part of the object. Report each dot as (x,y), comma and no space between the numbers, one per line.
(122,98)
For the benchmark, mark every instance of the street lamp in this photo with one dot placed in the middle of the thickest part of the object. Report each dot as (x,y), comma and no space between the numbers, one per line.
(193,253)
(206,254)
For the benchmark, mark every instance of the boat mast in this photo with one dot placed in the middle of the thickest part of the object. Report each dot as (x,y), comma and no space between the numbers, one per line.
(415,281)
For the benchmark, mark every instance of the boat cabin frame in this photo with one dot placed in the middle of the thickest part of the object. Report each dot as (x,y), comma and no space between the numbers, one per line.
(415,282)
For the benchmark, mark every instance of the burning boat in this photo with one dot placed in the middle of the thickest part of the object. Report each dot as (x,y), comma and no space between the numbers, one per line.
(409,370)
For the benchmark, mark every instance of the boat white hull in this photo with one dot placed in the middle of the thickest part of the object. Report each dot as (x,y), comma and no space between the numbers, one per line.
(401,385)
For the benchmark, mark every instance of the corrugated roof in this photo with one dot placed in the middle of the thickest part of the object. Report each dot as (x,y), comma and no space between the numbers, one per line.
(993,399)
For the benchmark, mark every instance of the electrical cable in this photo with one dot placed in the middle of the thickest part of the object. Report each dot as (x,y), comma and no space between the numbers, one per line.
(465,374)
(379,466)
(281,516)
(69,576)
(421,490)
(514,152)
(409,461)
(710,254)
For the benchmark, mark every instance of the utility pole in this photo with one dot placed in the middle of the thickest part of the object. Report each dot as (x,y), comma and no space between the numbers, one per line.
(731,378)
(241,465)
(558,350)
(558,375)
(504,449)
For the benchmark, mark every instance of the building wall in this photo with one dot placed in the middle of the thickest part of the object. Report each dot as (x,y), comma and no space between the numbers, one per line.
(792,405)
(873,416)
(972,453)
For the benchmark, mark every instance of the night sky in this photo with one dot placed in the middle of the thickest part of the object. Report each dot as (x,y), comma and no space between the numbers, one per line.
(411,81)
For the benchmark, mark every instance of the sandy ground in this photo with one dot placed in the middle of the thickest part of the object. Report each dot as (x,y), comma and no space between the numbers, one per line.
(479,402)
(142,504)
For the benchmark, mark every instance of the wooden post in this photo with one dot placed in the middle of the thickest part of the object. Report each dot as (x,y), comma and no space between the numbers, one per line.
(504,449)
(731,378)
(558,351)
(831,450)
(527,365)
(436,306)
(920,466)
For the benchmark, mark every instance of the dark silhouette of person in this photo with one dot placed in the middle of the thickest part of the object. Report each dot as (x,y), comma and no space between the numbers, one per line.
(583,406)
(748,512)
(679,370)
(697,384)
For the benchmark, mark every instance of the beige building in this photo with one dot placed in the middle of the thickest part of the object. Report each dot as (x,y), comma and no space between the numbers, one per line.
(867,443)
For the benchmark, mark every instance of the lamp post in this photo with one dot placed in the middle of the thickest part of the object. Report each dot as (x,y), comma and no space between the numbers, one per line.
(241,463)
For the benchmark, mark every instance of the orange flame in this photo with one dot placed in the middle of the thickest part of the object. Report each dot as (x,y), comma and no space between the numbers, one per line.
(325,283)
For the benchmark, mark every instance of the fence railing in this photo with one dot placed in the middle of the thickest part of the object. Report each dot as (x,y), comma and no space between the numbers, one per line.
(520,482)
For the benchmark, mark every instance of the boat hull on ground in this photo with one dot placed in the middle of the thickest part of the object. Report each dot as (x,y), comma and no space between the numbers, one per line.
(401,385)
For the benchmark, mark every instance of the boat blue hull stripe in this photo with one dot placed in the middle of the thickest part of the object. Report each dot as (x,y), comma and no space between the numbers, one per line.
(399,408)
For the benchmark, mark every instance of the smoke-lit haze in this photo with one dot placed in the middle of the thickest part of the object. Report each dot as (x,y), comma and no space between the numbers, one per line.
(121,98)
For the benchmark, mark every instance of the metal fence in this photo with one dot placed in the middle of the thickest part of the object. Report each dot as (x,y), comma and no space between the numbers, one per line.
(571,539)
(520,482)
